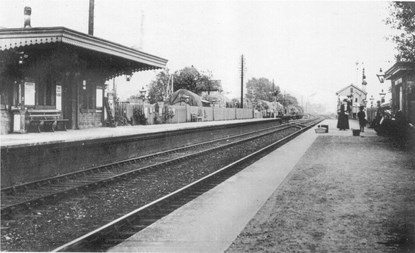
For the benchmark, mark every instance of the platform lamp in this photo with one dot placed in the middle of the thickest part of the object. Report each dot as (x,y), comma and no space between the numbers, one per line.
(382,96)
(143,93)
(128,76)
(381,77)
(22,57)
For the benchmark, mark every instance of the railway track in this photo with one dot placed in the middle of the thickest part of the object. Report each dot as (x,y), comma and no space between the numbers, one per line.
(72,189)
(120,229)
(51,189)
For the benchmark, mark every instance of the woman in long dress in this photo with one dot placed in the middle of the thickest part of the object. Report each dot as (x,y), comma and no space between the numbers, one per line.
(343,118)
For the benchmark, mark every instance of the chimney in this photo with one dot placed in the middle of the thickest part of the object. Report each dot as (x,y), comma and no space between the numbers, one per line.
(27,13)
(91,18)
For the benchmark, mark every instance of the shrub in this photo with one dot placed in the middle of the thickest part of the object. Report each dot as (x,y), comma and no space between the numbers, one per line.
(139,116)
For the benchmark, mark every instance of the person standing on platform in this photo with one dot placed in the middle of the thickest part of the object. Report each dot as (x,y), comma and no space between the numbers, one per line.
(361,115)
(343,118)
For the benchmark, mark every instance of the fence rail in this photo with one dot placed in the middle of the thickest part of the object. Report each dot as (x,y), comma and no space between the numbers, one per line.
(139,114)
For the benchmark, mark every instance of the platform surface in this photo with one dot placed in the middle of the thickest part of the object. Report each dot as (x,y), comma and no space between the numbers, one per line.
(212,222)
(31,139)
(346,194)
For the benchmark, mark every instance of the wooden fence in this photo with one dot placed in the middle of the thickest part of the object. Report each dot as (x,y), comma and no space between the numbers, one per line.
(138,114)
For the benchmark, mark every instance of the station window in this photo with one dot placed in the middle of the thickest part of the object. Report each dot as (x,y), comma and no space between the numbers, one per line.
(45,93)
(99,96)
(29,93)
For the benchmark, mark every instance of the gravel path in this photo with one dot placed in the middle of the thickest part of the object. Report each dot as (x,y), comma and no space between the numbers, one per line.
(345,195)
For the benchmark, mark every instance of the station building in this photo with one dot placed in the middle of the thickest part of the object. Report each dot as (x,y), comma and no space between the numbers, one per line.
(356,97)
(59,70)
(402,76)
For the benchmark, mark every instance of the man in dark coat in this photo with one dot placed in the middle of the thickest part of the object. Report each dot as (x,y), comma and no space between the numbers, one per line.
(361,115)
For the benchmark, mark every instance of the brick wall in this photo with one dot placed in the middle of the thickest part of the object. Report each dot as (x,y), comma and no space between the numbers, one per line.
(32,163)
(5,120)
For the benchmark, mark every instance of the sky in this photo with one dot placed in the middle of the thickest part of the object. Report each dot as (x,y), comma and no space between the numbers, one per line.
(311,49)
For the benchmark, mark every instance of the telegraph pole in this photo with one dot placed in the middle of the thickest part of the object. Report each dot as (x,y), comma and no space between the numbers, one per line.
(243,69)
(91,18)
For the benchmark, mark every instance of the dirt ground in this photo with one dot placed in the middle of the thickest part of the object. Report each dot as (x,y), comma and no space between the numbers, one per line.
(345,195)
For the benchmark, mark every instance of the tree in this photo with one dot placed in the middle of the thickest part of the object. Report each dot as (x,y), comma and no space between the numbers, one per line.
(235,103)
(287,99)
(261,106)
(206,83)
(261,89)
(402,18)
(191,79)
(187,78)
(158,88)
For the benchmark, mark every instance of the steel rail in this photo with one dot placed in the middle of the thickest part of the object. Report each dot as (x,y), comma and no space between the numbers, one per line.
(127,219)
(87,185)
(51,180)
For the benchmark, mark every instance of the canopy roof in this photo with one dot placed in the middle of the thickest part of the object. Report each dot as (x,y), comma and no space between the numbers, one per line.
(398,68)
(16,38)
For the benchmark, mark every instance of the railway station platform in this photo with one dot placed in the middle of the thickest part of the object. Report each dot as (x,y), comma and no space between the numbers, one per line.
(42,138)
(329,192)
(65,152)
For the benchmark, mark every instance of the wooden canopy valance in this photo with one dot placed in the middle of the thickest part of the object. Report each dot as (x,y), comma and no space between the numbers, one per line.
(131,60)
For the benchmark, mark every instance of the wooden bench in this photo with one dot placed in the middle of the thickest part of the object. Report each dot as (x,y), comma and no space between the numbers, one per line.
(196,118)
(50,120)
